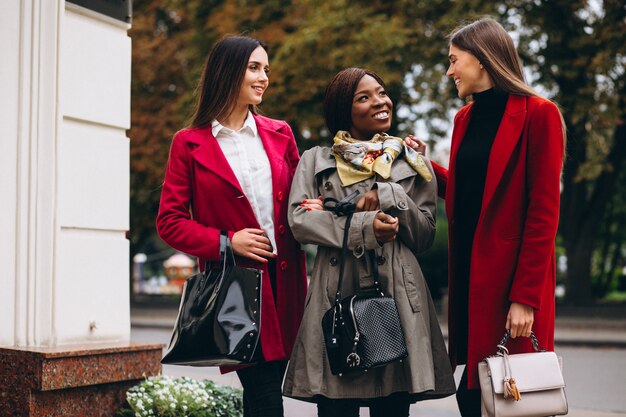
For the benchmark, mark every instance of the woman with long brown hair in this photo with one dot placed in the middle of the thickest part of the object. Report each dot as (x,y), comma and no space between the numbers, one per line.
(230,173)
(502,190)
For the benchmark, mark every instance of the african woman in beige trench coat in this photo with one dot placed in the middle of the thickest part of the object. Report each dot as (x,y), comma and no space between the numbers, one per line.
(404,223)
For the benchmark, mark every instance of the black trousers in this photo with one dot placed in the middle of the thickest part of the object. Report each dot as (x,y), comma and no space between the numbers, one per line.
(262,389)
(395,405)
(468,399)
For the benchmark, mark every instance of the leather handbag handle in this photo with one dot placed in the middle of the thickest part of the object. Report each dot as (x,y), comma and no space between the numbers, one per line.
(226,258)
(226,250)
(507,335)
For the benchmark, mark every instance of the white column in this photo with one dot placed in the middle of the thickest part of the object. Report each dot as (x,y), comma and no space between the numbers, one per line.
(64,175)
(32,33)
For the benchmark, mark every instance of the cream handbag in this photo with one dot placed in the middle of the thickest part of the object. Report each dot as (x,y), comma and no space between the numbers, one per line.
(522,385)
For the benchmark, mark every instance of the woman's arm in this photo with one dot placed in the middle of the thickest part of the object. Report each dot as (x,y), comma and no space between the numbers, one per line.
(322,227)
(176,226)
(413,202)
(441,173)
(174,223)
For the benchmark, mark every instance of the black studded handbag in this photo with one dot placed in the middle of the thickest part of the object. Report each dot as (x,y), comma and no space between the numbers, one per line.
(362,331)
(219,318)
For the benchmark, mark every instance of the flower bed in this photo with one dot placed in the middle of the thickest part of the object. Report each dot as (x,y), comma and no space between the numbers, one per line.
(163,396)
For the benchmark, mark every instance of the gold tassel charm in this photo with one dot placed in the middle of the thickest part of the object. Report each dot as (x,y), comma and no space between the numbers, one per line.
(510,389)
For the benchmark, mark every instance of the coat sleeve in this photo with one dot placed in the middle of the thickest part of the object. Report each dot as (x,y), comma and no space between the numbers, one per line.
(174,221)
(413,202)
(441,173)
(543,170)
(321,227)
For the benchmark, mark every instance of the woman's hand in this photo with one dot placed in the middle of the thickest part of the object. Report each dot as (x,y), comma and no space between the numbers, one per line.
(520,320)
(313,204)
(416,144)
(369,201)
(385,227)
(253,244)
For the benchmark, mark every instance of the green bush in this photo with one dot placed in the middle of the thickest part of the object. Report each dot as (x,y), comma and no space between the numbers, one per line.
(163,396)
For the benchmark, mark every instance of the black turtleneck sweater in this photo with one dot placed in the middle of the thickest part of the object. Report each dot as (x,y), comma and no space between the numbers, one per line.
(470,174)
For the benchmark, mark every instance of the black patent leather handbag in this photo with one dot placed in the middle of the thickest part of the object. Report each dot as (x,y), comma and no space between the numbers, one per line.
(362,331)
(219,318)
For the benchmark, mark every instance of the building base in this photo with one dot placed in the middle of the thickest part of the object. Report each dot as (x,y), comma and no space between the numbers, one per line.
(79,380)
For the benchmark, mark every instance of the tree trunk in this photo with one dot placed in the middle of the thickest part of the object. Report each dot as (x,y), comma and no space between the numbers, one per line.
(578,283)
(582,217)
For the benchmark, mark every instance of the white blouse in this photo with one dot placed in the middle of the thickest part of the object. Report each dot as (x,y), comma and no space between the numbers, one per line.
(246,155)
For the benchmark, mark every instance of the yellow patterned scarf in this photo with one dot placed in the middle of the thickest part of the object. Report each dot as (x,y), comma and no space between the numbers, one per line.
(358,160)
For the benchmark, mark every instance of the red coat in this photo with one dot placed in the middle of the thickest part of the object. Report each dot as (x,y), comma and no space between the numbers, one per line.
(513,253)
(199,180)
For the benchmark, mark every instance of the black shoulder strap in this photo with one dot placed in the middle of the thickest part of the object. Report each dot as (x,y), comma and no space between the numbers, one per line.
(343,207)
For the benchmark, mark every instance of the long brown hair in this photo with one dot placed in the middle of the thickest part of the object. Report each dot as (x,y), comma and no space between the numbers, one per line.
(491,44)
(487,40)
(223,73)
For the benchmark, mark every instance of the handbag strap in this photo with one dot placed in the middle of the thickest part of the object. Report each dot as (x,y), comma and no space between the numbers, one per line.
(226,249)
(346,207)
(226,258)
(342,258)
(374,262)
(343,207)
(507,335)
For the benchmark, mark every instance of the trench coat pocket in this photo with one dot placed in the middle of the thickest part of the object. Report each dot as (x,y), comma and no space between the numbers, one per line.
(410,288)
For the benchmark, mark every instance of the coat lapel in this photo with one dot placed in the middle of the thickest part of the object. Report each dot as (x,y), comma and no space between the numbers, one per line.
(275,144)
(210,155)
(507,137)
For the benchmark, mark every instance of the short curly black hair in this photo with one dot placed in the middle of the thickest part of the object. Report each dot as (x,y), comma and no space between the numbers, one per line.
(339,95)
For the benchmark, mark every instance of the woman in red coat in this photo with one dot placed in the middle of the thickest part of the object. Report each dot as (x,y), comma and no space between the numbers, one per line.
(502,200)
(231,171)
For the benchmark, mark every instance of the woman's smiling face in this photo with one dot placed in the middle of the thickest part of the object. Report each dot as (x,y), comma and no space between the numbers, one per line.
(371,109)
(467,73)
(256,79)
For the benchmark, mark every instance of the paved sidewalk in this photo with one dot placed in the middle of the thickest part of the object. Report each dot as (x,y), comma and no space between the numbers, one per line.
(577,330)
(571,330)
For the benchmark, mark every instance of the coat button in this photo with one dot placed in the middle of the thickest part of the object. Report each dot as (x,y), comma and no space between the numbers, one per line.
(281,229)
(381,260)
(402,205)
(358,251)
(283,265)
(279,196)
(328,186)
(333,261)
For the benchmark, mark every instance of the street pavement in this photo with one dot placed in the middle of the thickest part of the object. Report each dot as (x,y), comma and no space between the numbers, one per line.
(593,350)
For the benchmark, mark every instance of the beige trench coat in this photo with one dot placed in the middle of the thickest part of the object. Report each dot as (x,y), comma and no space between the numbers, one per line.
(426,373)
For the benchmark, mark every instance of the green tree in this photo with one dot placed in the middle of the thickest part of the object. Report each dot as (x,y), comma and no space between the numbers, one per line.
(573,50)
(577,51)
(161,78)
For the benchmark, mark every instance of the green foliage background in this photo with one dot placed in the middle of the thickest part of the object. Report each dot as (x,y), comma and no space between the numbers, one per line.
(573,51)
